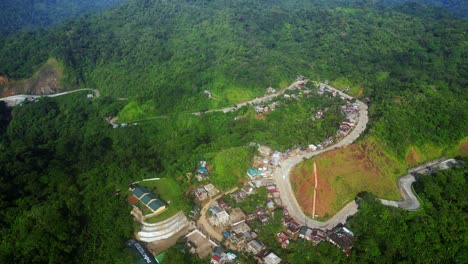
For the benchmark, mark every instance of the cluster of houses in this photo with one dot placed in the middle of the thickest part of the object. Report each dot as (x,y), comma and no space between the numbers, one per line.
(339,236)
(264,109)
(351,114)
(243,239)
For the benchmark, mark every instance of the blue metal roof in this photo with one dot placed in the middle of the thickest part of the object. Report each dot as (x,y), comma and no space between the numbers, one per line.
(156,204)
(139,191)
(147,198)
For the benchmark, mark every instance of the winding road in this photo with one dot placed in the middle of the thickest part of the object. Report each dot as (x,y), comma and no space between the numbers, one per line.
(409,199)
(282,172)
(18,99)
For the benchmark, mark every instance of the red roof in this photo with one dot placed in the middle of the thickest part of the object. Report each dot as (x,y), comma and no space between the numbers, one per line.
(272,189)
(216,258)
(132,199)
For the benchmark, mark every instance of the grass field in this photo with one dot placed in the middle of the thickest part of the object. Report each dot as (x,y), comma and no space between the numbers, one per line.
(355,90)
(230,167)
(345,172)
(170,191)
(135,111)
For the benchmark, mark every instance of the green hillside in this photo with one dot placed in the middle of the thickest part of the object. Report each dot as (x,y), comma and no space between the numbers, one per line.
(413,68)
(64,171)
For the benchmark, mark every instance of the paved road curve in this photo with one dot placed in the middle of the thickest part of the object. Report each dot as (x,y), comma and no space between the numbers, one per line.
(409,199)
(281,175)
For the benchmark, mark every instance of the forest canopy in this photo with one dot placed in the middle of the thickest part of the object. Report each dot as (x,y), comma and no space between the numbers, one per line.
(63,168)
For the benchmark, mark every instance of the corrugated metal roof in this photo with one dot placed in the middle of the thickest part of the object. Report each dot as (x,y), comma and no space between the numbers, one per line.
(139,191)
(147,198)
(156,204)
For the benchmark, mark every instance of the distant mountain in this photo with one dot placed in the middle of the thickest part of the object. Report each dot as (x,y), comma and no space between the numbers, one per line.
(26,14)
(457,7)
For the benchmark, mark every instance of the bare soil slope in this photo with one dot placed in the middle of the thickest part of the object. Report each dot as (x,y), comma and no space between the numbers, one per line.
(342,174)
(45,81)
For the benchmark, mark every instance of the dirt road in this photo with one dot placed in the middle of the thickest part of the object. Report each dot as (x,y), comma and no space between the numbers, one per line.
(259,100)
(203,222)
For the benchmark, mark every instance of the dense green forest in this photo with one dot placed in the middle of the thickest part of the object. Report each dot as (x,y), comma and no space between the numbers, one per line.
(28,14)
(412,67)
(435,234)
(457,7)
(64,170)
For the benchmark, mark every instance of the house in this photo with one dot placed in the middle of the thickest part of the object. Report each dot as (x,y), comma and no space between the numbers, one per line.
(263,219)
(260,211)
(201,194)
(312,234)
(214,209)
(255,173)
(271,189)
(283,238)
(254,247)
(270,204)
(276,157)
(220,218)
(211,189)
(222,203)
(312,147)
(238,239)
(152,202)
(240,227)
(270,90)
(248,189)
(239,196)
(341,237)
(198,243)
(267,257)
(215,259)
(202,173)
(237,215)
(220,256)
(264,182)
(250,216)
(293,228)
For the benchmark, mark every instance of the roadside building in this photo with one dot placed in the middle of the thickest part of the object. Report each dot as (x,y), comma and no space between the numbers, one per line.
(312,234)
(220,218)
(198,243)
(201,194)
(341,237)
(211,190)
(148,199)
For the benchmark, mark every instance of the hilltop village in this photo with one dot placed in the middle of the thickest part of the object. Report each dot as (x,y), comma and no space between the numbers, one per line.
(224,225)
